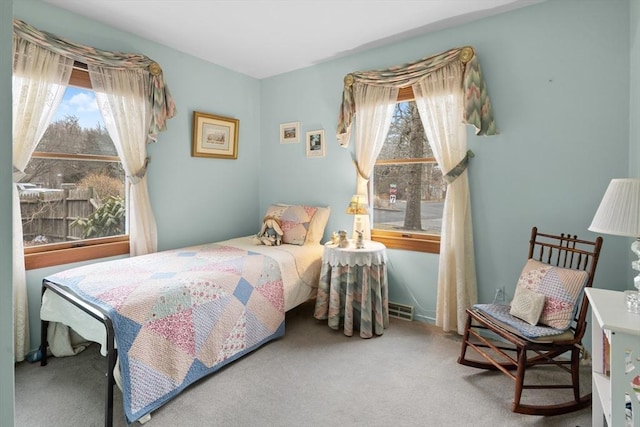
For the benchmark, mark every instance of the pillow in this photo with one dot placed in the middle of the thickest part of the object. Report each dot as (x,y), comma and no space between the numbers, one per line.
(561,288)
(318,224)
(527,305)
(295,221)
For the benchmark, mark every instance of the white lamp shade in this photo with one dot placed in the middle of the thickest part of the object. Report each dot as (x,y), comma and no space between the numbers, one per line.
(619,210)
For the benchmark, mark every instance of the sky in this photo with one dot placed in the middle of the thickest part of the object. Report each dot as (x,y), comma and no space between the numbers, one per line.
(82,104)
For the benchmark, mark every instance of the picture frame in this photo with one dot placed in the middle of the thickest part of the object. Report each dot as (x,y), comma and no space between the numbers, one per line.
(289,132)
(214,136)
(315,143)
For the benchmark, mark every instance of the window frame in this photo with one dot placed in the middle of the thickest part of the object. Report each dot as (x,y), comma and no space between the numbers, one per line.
(418,242)
(83,250)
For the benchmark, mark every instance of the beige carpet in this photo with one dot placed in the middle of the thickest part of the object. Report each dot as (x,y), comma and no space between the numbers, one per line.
(313,376)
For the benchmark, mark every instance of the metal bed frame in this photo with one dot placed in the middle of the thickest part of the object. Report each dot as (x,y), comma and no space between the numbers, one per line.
(98,314)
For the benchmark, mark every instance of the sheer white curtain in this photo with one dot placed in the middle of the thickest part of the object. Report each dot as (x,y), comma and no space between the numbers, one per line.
(122,97)
(40,78)
(440,101)
(375,105)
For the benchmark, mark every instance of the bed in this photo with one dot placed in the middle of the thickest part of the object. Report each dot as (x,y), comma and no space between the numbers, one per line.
(168,319)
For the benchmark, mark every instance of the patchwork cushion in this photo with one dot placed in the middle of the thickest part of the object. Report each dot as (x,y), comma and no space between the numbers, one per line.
(295,221)
(527,305)
(500,312)
(561,287)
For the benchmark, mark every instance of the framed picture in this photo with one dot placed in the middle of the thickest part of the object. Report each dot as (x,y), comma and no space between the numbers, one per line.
(289,132)
(214,136)
(315,143)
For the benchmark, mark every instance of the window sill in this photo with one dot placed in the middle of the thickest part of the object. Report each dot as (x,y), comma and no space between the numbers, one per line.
(429,244)
(36,257)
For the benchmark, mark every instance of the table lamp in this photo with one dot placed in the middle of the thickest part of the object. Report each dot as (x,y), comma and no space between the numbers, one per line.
(619,214)
(358,207)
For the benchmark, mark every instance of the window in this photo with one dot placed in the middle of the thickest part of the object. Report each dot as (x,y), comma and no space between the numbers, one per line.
(408,186)
(72,197)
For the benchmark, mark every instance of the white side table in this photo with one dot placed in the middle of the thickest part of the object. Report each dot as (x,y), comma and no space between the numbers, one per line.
(353,285)
(611,390)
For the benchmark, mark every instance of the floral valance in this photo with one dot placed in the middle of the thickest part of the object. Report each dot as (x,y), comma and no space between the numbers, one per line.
(160,99)
(477,110)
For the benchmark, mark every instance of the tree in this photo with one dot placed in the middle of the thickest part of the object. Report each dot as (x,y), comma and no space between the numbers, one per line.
(58,161)
(67,136)
(416,139)
(405,140)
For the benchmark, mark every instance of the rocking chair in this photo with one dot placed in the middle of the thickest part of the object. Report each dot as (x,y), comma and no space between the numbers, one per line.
(558,267)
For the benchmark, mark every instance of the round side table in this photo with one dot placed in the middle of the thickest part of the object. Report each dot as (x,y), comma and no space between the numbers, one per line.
(353,288)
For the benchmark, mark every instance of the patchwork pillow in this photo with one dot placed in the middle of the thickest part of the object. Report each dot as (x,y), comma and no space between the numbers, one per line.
(295,221)
(561,288)
(527,305)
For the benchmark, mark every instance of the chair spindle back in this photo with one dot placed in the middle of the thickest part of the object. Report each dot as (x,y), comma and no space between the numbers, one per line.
(568,251)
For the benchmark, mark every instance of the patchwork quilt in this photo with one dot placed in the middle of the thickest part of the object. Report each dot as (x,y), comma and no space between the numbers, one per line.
(180,315)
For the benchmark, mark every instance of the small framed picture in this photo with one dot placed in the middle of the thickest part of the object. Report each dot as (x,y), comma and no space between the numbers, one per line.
(289,132)
(214,136)
(315,143)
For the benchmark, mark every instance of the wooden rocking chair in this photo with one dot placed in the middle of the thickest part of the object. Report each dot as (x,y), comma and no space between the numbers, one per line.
(521,345)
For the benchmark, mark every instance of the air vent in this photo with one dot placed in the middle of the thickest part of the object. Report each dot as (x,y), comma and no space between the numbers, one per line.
(400,311)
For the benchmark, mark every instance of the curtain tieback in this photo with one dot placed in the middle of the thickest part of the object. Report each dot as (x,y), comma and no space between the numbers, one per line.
(358,170)
(137,177)
(459,168)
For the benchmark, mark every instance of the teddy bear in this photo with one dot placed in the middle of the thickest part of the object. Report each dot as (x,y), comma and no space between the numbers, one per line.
(271,232)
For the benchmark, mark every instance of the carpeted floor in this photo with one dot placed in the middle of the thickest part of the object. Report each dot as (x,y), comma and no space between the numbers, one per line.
(313,376)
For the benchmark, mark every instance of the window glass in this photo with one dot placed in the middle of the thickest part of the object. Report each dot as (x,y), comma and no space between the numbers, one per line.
(74,187)
(408,186)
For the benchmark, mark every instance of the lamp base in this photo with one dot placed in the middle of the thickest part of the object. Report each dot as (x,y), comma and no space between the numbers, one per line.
(635,248)
(632,299)
(361,224)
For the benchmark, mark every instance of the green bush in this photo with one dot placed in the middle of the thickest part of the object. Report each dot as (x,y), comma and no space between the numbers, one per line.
(107,220)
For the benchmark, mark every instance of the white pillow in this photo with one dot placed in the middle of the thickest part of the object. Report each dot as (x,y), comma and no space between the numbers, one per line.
(318,224)
(527,305)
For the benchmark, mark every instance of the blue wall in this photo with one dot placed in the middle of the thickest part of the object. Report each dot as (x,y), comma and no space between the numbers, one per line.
(220,196)
(559,145)
(559,75)
(634,91)
(6,291)
(184,190)
(559,142)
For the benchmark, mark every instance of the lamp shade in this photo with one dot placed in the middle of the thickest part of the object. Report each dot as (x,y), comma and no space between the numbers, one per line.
(357,206)
(619,210)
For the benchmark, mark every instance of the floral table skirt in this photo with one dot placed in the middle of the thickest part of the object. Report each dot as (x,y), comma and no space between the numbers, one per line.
(355,294)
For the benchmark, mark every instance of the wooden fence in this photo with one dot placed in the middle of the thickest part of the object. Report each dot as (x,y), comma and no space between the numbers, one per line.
(47,215)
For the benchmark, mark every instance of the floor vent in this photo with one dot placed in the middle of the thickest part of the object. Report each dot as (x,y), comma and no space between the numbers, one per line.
(400,311)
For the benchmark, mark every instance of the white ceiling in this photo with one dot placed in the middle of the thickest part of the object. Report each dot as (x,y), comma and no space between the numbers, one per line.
(263,38)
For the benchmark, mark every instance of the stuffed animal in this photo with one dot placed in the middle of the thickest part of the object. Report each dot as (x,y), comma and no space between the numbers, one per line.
(335,238)
(271,232)
(343,242)
(359,239)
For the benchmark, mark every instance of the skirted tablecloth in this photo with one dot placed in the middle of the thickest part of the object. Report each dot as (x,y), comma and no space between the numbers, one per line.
(353,286)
